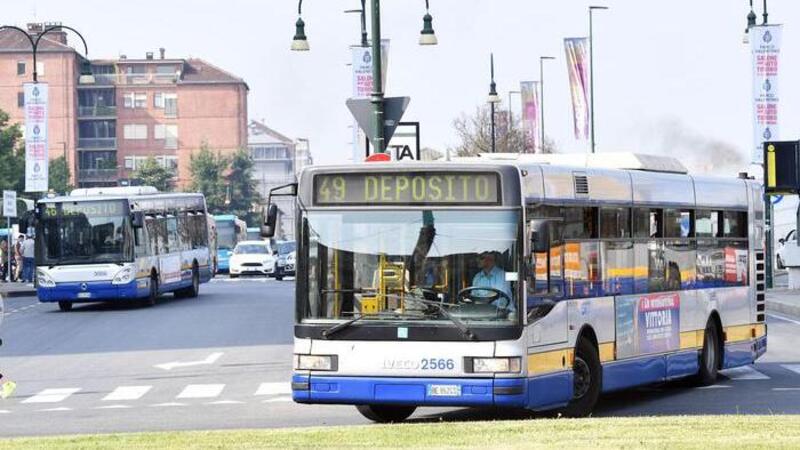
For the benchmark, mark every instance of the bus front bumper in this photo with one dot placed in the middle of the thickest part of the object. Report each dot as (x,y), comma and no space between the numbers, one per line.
(92,291)
(506,392)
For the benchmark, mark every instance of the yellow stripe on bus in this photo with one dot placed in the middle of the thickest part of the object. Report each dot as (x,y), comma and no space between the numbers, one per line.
(547,362)
(745,332)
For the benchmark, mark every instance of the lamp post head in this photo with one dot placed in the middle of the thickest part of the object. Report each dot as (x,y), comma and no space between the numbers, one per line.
(86,73)
(751,22)
(300,42)
(493,97)
(427,36)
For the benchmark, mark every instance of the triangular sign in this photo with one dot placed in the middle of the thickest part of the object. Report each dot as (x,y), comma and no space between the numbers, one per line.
(394,108)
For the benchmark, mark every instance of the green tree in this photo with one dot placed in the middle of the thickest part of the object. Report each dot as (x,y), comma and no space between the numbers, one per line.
(12,155)
(207,170)
(242,188)
(151,173)
(58,175)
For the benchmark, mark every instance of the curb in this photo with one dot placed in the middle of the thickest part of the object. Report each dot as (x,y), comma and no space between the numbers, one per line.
(18,293)
(783,308)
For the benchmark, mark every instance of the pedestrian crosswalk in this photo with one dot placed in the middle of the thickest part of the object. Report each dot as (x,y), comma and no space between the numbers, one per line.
(60,399)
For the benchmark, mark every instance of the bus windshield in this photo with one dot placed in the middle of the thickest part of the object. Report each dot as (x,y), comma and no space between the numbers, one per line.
(226,235)
(85,233)
(412,265)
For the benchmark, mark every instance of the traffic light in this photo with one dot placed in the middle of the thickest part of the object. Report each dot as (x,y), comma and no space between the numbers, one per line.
(782,167)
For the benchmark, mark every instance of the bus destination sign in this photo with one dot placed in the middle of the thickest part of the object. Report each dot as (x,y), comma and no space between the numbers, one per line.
(409,188)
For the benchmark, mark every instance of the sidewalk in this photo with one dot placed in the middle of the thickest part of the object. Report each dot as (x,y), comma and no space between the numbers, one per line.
(785,301)
(8,290)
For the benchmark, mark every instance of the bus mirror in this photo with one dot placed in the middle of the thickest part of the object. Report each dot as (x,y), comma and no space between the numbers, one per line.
(540,235)
(270,219)
(137,219)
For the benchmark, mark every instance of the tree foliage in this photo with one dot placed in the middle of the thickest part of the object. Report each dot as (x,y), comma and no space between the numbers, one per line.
(242,189)
(208,176)
(151,173)
(475,134)
(58,175)
(12,155)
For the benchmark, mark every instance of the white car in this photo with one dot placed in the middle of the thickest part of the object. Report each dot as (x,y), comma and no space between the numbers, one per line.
(787,249)
(252,257)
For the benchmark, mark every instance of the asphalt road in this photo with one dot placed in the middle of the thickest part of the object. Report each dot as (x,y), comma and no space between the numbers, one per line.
(223,360)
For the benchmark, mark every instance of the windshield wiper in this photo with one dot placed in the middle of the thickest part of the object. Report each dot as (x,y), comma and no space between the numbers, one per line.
(341,326)
(465,330)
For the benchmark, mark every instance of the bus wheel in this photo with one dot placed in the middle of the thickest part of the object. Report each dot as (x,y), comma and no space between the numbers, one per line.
(587,377)
(65,306)
(192,291)
(710,356)
(386,413)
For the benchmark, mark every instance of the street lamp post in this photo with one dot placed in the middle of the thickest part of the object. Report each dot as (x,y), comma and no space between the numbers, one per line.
(86,76)
(591,73)
(542,59)
(428,37)
(493,100)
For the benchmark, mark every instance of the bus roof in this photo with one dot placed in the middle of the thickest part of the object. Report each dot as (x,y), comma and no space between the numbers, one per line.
(90,198)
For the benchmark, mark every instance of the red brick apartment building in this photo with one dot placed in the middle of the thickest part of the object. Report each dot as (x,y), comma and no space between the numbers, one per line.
(136,108)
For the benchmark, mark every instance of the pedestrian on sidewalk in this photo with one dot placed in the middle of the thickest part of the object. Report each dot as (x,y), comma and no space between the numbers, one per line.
(3,260)
(27,259)
(18,258)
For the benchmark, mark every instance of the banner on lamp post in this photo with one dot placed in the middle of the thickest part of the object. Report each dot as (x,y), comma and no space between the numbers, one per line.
(577,51)
(531,123)
(362,85)
(765,45)
(36,158)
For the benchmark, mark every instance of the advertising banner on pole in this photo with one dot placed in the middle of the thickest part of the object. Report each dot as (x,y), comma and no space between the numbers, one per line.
(531,125)
(36,158)
(362,85)
(765,45)
(577,51)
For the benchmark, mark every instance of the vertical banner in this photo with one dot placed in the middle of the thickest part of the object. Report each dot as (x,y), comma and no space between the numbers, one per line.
(531,124)
(765,44)
(577,51)
(362,86)
(35,137)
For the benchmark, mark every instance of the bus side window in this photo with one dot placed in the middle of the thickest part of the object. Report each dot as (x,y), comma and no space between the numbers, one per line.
(151,223)
(173,241)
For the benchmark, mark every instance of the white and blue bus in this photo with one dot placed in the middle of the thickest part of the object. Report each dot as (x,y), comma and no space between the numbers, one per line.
(126,243)
(230,231)
(532,282)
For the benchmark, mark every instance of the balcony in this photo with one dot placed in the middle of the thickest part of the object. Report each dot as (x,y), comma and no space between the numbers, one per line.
(97,175)
(121,79)
(97,111)
(97,143)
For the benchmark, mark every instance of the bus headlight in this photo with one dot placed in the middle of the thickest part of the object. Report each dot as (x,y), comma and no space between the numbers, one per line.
(316,362)
(496,365)
(124,276)
(44,279)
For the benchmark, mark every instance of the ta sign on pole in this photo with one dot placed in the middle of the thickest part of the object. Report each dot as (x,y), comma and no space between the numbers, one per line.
(36,158)
(10,204)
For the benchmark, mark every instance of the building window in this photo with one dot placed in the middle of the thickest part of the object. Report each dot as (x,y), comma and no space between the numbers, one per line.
(158,100)
(129,163)
(20,99)
(140,100)
(167,132)
(133,131)
(20,67)
(171,105)
(128,100)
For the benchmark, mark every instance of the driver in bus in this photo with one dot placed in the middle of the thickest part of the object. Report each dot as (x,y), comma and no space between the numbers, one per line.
(491,276)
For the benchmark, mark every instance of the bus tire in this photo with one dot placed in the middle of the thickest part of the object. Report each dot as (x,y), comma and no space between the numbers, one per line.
(386,413)
(152,296)
(709,356)
(587,381)
(194,290)
(65,306)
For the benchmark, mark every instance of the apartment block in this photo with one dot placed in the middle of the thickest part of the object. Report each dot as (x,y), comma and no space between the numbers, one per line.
(136,108)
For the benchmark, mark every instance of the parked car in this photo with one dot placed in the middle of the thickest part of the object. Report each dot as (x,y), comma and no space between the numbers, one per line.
(285,266)
(781,254)
(252,258)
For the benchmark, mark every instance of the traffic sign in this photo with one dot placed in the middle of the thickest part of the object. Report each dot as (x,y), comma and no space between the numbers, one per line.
(10,203)
(394,108)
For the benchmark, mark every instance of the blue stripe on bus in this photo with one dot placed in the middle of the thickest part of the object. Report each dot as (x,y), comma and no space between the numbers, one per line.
(99,290)
(739,354)
(550,391)
(628,373)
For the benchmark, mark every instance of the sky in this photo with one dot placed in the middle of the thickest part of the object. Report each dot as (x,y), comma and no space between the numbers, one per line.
(671,77)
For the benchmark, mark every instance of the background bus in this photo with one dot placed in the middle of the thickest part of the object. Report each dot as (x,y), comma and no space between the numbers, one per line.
(532,282)
(254,234)
(106,244)
(230,231)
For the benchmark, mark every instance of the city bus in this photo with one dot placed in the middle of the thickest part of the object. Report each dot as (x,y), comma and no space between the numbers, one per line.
(230,231)
(121,243)
(528,282)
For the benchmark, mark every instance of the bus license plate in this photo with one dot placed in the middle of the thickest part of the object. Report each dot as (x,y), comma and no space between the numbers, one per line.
(444,390)
(84,294)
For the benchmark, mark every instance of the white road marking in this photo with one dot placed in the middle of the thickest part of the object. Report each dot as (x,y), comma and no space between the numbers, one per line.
(786,389)
(226,402)
(714,386)
(125,393)
(784,318)
(210,359)
(201,391)
(274,389)
(167,404)
(114,407)
(5,411)
(52,395)
(278,400)
(56,409)
(793,367)
(744,373)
